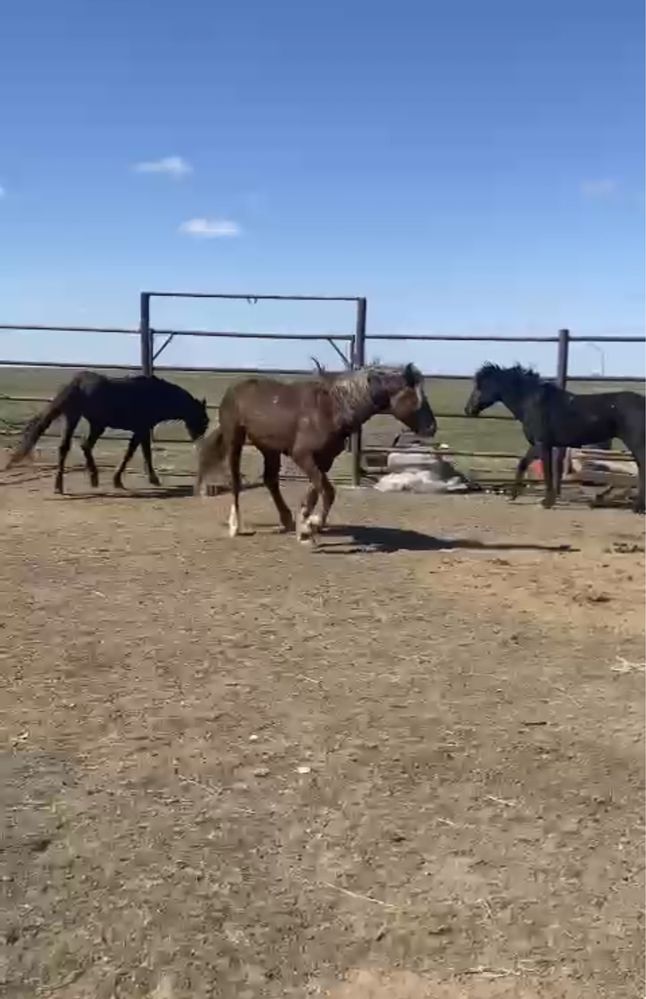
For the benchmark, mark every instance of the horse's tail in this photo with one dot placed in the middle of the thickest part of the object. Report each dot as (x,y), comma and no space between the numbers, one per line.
(39,423)
(211,452)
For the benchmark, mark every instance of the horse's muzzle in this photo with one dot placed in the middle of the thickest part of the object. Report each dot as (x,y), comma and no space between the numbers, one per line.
(426,425)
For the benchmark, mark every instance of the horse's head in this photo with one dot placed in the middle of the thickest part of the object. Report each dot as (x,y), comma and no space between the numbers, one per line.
(196,418)
(493,384)
(486,390)
(400,391)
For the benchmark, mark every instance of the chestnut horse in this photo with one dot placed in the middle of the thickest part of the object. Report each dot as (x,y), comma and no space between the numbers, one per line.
(309,421)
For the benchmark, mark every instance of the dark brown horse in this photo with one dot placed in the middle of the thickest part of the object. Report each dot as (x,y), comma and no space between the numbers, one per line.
(136,404)
(310,421)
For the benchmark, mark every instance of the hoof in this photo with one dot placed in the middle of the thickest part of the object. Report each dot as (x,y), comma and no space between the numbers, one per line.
(58,490)
(304,533)
(548,504)
(154,481)
(118,484)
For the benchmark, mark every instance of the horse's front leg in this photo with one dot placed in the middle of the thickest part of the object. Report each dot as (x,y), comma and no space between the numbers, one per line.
(319,520)
(521,468)
(153,478)
(320,485)
(133,444)
(548,477)
(63,451)
(87,446)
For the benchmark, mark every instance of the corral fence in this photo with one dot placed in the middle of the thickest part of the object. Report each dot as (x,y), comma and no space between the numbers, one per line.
(351,348)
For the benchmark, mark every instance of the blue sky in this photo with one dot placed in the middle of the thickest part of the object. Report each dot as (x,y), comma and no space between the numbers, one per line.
(469,166)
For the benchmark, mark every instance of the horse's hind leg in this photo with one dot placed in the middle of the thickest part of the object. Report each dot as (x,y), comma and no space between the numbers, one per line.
(63,450)
(133,444)
(635,443)
(639,503)
(148,460)
(235,454)
(86,446)
(272,481)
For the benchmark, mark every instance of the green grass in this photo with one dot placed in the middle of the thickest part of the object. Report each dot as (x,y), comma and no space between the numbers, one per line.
(447,396)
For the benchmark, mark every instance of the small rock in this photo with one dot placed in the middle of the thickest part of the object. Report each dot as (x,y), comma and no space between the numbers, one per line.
(303,770)
(261,772)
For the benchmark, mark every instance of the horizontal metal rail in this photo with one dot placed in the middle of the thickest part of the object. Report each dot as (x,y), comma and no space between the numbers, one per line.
(298,372)
(607,339)
(38,328)
(255,336)
(253,297)
(489,338)
(441,452)
(108,366)
(216,407)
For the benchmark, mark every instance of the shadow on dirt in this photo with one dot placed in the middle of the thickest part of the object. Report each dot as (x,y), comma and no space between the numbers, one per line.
(391,539)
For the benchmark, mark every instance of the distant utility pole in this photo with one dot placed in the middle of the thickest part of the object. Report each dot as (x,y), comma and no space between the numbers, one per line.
(602,357)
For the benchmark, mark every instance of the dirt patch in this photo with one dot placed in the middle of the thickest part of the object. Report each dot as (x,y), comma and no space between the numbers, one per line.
(410,761)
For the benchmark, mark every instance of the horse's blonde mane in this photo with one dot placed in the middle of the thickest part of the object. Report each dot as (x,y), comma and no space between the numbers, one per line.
(357,391)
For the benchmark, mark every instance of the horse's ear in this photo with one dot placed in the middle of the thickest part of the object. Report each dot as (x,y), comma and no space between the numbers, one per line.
(412,375)
(203,401)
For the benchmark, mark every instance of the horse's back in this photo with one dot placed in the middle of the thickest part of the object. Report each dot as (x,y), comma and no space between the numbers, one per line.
(271,412)
(269,395)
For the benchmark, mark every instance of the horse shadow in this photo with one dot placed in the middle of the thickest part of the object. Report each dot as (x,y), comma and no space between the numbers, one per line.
(149,493)
(145,492)
(387,540)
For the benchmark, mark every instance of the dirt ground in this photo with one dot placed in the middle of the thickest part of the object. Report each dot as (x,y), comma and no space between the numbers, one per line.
(405,765)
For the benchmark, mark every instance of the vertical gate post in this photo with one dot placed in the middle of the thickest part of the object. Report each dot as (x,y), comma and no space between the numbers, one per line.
(562,361)
(561,381)
(358,361)
(146,334)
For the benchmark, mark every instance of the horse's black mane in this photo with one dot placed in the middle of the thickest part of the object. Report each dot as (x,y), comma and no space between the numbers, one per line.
(515,373)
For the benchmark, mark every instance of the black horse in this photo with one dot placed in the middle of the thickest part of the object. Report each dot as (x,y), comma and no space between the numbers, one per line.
(135,404)
(553,418)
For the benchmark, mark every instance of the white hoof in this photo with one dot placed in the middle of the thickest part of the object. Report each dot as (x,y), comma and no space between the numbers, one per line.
(305,531)
(234,524)
(315,522)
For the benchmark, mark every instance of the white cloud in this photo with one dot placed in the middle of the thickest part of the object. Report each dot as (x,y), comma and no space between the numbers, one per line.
(597,190)
(210,228)
(172,166)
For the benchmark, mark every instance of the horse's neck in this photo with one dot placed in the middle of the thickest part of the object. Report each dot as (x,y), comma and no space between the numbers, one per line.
(354,416)
(516,400)
(177,400)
